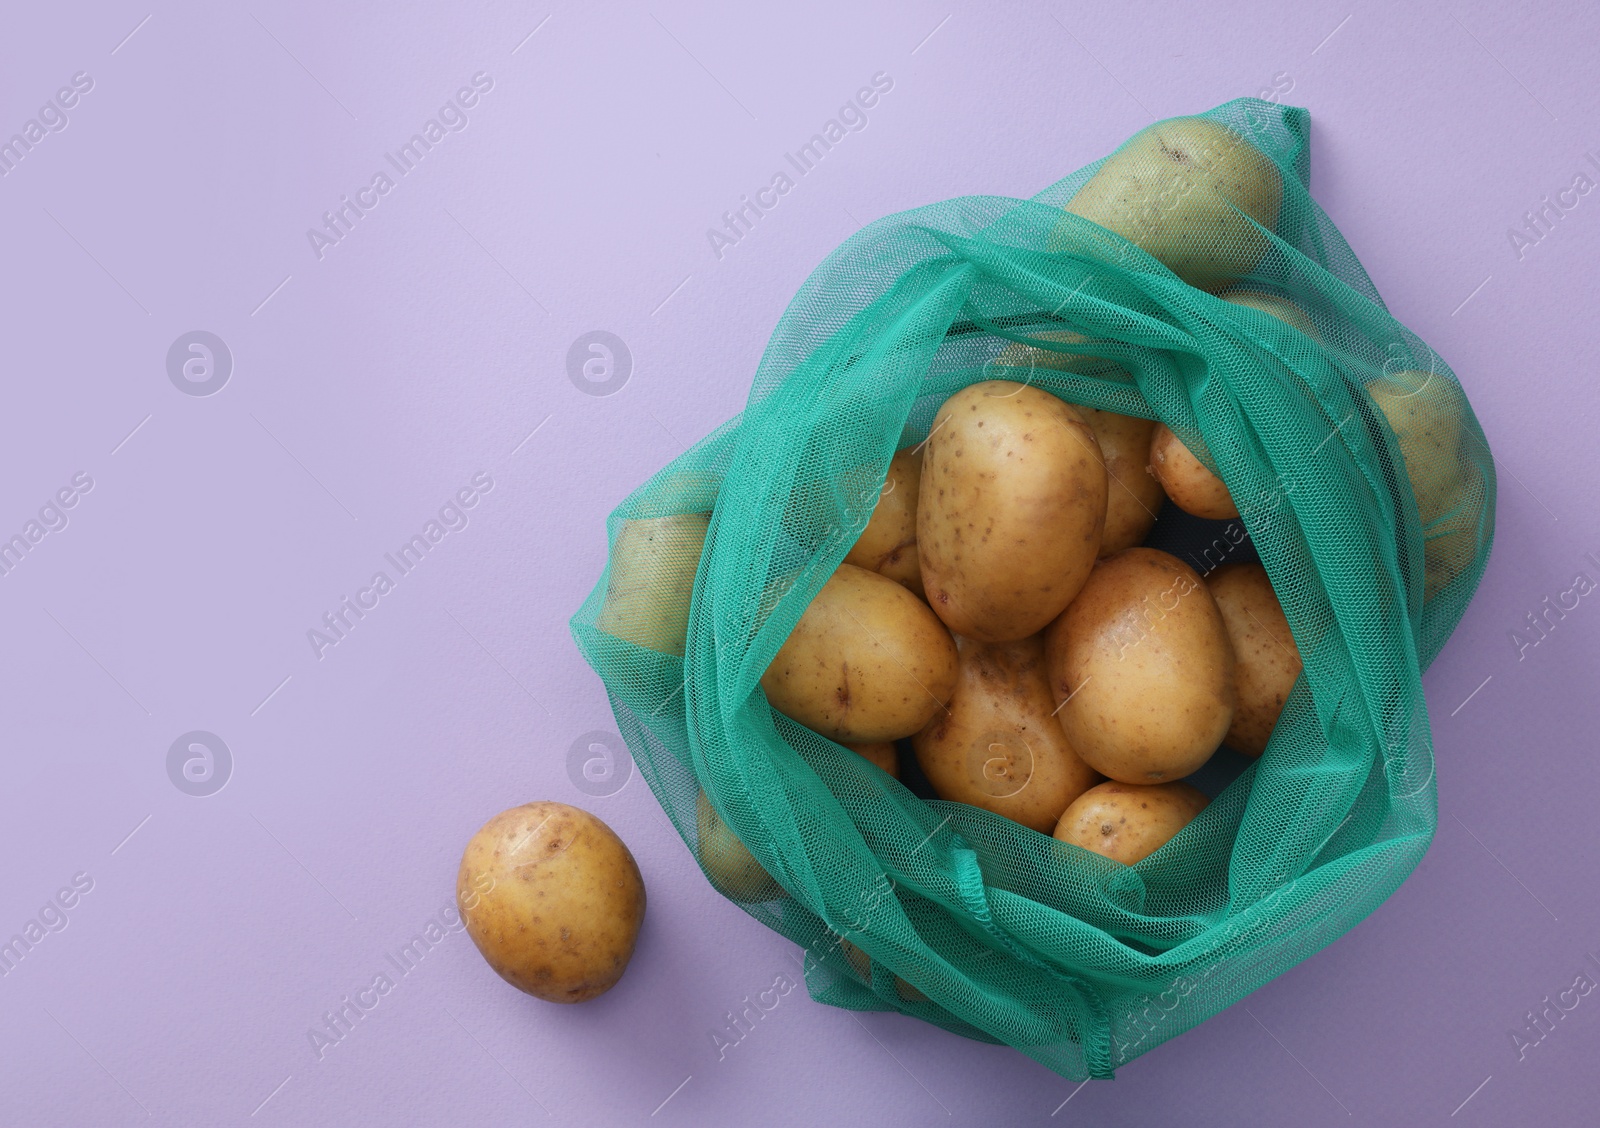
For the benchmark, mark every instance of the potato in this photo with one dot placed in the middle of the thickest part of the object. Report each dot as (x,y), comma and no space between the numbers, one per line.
(1181,190)
(908,991)
(553,900)
(997,746)
(1425,413)
(867,662)
(1281,308)
(1128,822)
(1192,488)
(1450,544)
(882,753)
(861,964)
(1142,665)
(1011,510)
(733,870)
(888,545)
(653,564)
(859,961)
(1133,496)
(1018,355)
(1267,662)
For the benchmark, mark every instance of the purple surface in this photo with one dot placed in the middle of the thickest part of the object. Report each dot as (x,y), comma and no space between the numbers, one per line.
(430,343)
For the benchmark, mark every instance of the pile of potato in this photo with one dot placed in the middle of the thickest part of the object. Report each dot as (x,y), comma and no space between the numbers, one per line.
(1052,674)
(997,608)
(998,611)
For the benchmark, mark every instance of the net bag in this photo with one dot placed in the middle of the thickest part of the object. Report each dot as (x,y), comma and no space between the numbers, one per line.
(1363,481)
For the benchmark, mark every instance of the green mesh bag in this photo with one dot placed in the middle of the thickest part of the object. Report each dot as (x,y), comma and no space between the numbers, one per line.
(942,910)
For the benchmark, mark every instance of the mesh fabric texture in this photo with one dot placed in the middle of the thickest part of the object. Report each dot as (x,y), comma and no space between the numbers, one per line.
(958,916)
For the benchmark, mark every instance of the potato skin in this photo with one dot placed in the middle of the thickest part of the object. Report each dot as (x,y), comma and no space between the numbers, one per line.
(883,753)
(1173,189)
(653,564)
(1267,662)
(1143,667)
(1192,487)
(997,746)
(1012,507)
(1128,822)
(733,870)
(888,544)
(868,661)
(564,903)
(1133,495)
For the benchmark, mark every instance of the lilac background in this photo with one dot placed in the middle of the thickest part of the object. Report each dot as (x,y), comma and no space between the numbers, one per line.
(431,342)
